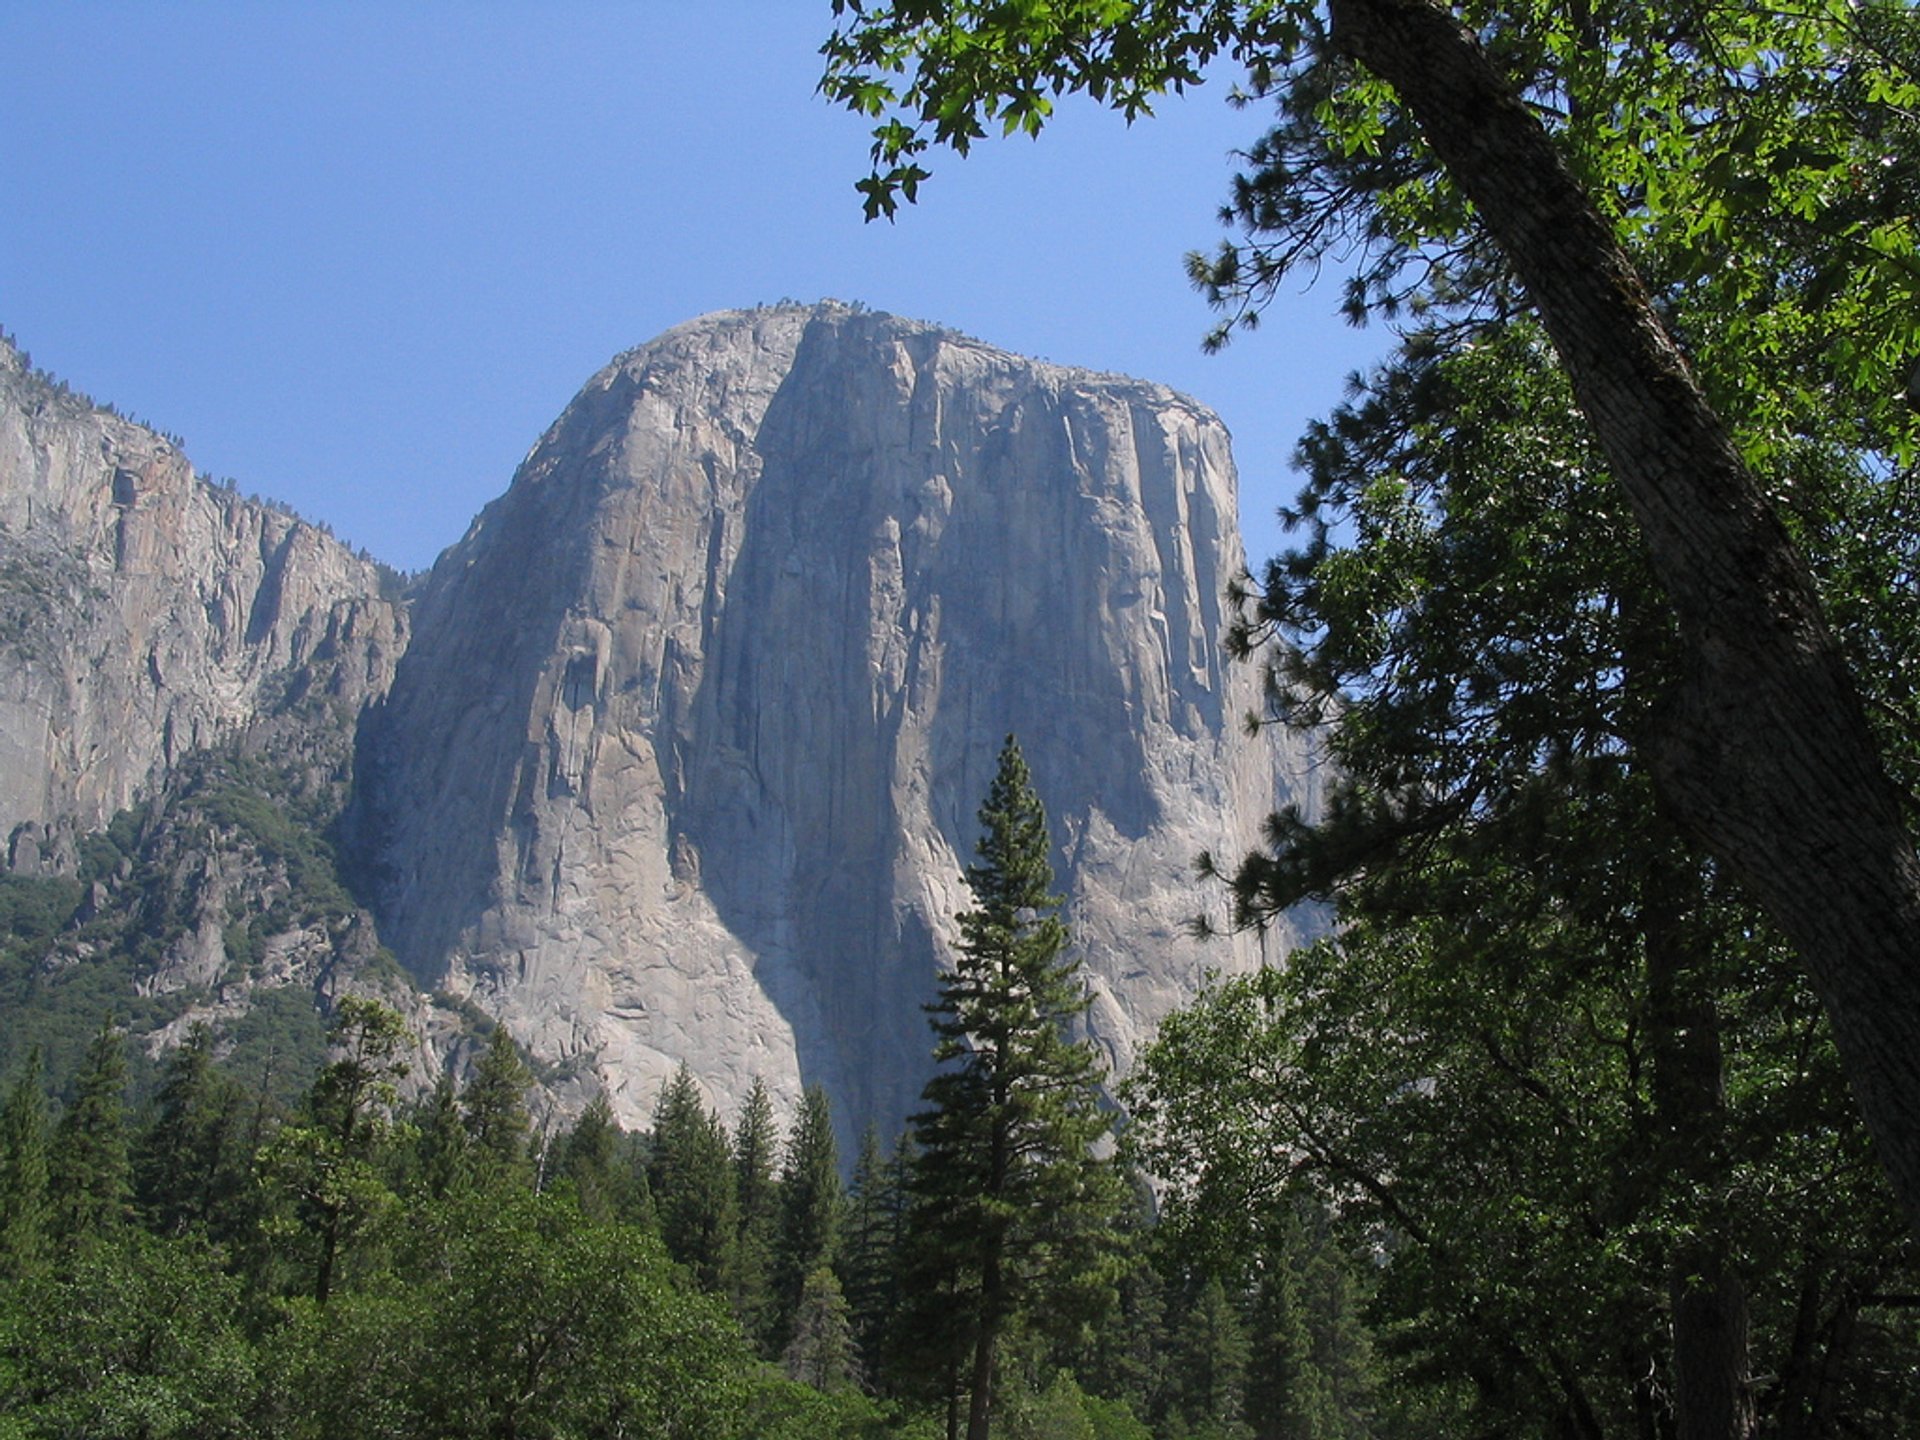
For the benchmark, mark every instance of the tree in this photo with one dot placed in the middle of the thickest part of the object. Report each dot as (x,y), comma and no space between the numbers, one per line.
(1480,1125)
(690,1176)
(25,1206)
(810,1209)
(138,1336)
(1011,1207)
(590,1160)
(328,1165)
(869,1245)
(89,1172)
(820,1349)
(1519,163)
(494,1105)
(184,1168)
(757,1195)
(1209,1362)
(442,1151)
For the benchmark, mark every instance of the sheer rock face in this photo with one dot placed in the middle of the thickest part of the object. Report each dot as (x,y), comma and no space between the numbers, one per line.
(684,759)
(145,613)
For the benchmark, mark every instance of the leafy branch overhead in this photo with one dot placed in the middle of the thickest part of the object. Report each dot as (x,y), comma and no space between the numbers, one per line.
(1708,214)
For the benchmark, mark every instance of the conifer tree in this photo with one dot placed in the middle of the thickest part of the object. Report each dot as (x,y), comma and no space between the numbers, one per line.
(810,1206)
(1010,1203)
(183,1166)
(690,1176)
(1210,1356)
(757,1196)
(495,1106)
(590,1162)
(24,1203)
(820,1348)
(442,1149)
(326,1167)
(90,1174)
(868,1242)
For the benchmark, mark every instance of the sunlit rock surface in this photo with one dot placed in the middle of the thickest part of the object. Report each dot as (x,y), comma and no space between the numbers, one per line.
(145,613)
(684,757)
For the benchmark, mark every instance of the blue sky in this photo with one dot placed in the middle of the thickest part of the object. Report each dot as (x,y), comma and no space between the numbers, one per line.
(359,255)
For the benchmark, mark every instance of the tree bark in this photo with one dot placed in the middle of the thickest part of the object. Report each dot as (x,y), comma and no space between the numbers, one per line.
(980,1400)
(1712,1372)
(1764,756)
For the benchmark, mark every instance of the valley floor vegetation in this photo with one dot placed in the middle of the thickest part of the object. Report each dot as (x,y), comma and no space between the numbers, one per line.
(1425,1182)
(222,1263)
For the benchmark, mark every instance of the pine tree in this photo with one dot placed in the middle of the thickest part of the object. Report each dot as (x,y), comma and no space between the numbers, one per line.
(25,1213)
(590,1162)
(327,1167)
(820,1349)
(184,1166)
(442,1159)
(495,1106)
(810,1206)
(1012,1210)
(690,1176)
(869,1237)
(1210,1356)
(89,1171)
(757,1197)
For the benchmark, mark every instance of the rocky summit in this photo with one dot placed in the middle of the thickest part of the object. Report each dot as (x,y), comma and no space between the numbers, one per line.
(683,756)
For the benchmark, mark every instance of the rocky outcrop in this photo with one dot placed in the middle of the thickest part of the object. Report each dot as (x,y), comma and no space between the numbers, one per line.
(684,758)
(146,614)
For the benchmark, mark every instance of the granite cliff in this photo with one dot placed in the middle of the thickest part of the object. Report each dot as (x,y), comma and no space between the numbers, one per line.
(182,671)
(146,613)
(683,760)
(676,755)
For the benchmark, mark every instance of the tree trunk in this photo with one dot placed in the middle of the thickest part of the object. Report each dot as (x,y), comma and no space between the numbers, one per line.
(1764,756)
(1712,1375)
(980,1401)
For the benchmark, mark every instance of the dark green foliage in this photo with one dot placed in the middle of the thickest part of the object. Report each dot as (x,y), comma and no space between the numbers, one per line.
(520,1318)
(186,1166)
(757,1197)
(782,1409)
(494,1106)
(137,1338)
(596,1161)
(274,1050)
(89,1171)
(326,1171)
(1311,1371)
(26,1205)
(1208,1363)
(810,1209)
(441,1151)
(690,1177)
(1012,1213)
(870,1241)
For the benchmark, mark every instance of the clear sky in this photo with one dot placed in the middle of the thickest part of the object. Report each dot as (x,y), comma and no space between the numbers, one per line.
(359,255)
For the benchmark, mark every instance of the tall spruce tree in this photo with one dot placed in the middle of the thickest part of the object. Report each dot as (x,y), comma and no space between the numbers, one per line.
(690,1175)
(90,1172)
(495,1108)
(810,1207)
(756,1191)
(1010,1204)
(24,1201)
(869,1239)
(184,1167)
